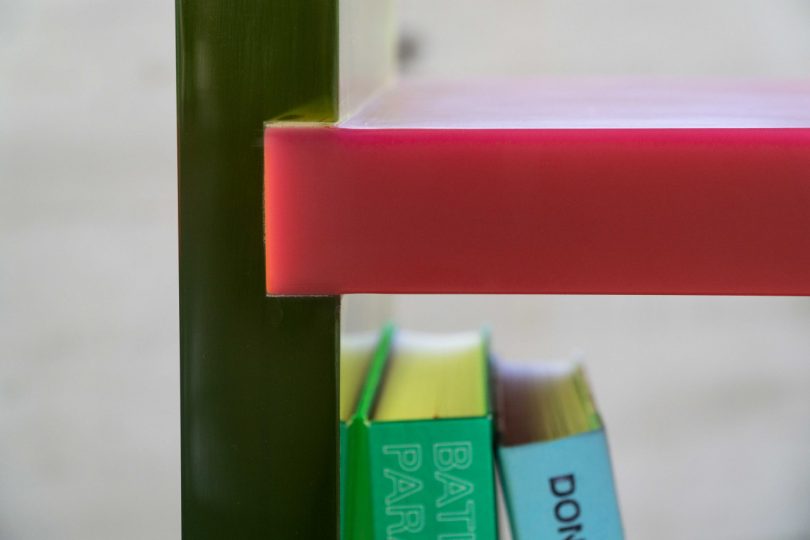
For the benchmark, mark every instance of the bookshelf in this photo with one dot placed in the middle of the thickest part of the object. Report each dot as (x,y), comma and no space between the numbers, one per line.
(251,363)
(607,186)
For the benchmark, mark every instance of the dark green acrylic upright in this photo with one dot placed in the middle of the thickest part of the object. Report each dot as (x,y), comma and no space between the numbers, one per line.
(258,374)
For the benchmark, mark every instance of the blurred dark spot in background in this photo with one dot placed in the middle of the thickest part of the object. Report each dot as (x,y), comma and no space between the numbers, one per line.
(409,50)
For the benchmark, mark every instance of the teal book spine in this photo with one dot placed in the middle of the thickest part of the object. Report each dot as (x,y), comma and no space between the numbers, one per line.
(561,489)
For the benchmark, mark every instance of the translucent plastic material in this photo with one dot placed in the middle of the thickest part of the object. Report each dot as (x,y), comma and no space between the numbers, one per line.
(611,187)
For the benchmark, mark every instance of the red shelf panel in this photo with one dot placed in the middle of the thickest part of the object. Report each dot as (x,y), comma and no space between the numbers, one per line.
(613,211)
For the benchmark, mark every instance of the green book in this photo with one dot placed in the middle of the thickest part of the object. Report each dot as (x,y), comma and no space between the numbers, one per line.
(420,460)
(357,352)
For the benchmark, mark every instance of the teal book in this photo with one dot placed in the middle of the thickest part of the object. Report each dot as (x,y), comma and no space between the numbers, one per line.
(420,459)
(553,455)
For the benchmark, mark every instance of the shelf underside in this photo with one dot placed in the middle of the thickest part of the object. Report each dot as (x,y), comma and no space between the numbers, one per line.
(595,187)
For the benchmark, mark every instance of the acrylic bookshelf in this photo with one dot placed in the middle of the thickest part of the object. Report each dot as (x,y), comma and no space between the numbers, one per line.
(527,186)
(259,454)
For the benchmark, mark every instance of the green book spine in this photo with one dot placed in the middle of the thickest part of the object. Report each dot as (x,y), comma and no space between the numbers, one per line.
(432,479)
(343,432)
(419,479)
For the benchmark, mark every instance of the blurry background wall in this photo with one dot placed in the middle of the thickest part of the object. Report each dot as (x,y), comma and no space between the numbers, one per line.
(706,399)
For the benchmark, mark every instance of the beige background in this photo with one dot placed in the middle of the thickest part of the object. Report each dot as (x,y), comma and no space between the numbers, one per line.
(706,399)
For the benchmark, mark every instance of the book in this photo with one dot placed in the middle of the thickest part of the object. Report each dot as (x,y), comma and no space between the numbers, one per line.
(420,461)
(553,454)
(356,355)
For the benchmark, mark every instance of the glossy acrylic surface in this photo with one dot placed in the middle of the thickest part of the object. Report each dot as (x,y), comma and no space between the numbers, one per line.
(587,103)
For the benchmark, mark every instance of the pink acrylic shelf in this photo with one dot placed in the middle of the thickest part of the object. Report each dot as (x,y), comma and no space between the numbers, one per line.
(547,186)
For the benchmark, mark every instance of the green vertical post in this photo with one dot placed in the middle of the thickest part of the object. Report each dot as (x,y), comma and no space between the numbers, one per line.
(258,374)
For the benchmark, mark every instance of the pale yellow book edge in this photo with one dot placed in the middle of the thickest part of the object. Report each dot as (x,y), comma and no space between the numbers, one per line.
(434,376)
